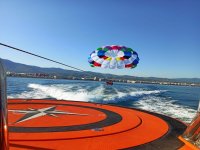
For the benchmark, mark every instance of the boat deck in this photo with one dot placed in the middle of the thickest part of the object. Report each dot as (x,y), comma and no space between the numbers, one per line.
(59,125)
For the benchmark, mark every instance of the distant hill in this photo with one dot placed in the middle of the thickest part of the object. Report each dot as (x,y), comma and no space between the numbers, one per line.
(22,68)
(63,73)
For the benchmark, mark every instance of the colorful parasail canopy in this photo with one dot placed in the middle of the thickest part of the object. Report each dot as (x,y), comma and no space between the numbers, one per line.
(113,57)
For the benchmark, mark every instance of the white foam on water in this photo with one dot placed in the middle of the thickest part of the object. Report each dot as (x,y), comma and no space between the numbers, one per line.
(33,94)
(167,107)
(59,92)
(139,93)
(65,92)
(121,96)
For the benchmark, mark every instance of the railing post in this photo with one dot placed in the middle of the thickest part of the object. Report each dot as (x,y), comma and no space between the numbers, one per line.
(192,133)
(4,141)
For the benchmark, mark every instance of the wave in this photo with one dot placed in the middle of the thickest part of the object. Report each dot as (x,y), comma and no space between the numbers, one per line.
(167,107)
(150,100)
(123,96)
(73,92)
(139,93)
(59,91)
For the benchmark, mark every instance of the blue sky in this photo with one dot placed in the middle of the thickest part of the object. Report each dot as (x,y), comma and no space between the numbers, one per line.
(165,33)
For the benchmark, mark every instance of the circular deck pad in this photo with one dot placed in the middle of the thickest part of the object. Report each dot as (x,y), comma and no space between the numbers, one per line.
(56,124)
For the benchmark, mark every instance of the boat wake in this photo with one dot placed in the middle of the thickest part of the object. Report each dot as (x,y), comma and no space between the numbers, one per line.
(165,106)
(143,98)
(73,92)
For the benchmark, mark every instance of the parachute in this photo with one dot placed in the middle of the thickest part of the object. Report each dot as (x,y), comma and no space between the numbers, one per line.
(114,57)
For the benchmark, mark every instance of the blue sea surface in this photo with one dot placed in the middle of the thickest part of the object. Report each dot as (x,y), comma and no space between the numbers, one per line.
(180,102)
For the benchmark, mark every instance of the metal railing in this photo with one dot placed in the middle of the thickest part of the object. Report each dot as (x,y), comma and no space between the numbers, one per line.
(4,142)
(192,133)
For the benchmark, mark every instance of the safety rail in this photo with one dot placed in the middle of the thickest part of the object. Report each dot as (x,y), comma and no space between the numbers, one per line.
(4,141)
(192,133)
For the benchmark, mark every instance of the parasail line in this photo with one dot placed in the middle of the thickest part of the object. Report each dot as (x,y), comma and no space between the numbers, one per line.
(40,57)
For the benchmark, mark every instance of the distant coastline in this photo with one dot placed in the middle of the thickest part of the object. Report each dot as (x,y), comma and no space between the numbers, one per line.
(14,69)
(47,76)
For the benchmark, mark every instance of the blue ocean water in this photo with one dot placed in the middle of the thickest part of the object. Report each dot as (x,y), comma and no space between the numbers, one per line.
(180,102)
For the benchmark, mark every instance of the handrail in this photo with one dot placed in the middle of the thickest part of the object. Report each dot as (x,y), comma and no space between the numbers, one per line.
(192,133)
(4,141)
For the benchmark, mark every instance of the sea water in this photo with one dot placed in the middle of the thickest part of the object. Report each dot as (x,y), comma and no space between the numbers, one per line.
(179,102)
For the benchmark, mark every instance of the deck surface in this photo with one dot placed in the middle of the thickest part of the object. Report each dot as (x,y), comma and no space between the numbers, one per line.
(59,125)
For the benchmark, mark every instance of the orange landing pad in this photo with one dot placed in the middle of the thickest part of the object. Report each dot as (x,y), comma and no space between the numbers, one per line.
(70,125)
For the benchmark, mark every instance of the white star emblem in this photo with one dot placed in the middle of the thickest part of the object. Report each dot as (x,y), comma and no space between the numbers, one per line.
(35,113)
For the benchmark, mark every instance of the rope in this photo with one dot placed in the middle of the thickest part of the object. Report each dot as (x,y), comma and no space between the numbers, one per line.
(17,49)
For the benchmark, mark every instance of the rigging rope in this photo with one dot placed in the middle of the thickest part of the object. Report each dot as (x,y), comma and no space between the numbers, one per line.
(17,49)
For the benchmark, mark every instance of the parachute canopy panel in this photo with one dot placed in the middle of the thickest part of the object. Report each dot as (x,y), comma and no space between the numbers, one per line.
(114,57)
